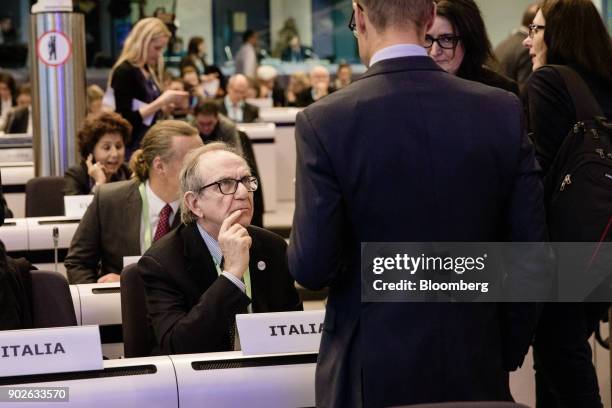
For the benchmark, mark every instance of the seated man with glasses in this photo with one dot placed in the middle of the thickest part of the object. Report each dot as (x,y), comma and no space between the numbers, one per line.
(215,265)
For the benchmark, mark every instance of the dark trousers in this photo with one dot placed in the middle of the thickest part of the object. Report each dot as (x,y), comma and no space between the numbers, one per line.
(565,375)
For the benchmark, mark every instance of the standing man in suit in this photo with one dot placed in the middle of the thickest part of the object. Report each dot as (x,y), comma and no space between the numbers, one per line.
(234,106)
(215,264)
(513,57)
(126,217)
(380,161)
(246,57)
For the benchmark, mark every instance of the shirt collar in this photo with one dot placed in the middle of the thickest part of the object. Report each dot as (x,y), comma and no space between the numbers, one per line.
(398,51)
(212,244)
(229,104)
(156,204)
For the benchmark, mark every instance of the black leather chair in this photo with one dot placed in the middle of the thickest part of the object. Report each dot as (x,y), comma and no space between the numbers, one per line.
(138,339)
(44,197)
(51,300)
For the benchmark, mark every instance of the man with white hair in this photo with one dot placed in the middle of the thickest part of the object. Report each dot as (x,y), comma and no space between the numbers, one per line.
(268,87)
(319,87)
(215,265)
(234,105)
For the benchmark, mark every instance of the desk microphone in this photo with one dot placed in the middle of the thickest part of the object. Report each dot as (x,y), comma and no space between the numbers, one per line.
(55,244)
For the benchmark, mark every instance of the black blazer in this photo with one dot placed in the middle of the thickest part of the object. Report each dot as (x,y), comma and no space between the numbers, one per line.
(78,182)
(496,80)
(129,83)
(410,153)
(17,120)
(250,113)
(551,113)
(191,306)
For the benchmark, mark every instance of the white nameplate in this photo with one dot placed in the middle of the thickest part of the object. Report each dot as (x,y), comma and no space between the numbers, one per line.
(52,350)
(285,332)
(129,260)
(45,6)
(76,205)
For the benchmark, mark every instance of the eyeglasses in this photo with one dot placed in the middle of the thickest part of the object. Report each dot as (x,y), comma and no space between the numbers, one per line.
(352,25)
(446,42)
(533,29)
(230,186)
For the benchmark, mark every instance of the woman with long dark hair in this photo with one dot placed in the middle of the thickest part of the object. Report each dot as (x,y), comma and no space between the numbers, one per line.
(459,43)
(569,33)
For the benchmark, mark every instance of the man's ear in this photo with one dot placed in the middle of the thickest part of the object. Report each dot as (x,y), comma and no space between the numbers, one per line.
(158,165)
(360,20)
(191,201)
(432,16)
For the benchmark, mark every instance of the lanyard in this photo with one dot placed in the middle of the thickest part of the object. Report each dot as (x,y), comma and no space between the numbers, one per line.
(246,278)
(146,222)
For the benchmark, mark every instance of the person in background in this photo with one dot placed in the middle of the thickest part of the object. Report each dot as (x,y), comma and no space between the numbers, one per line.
(268,87)
(5,211)
(295,51)
(298,82)
(101,142)
(209,74)
(125,217)
(234,106)
(319,87)
(135,79)
(246,57)
(344,76)
(459,43)
(513,57)
(180,110)
(569,33)
(95,96)
(19,119)
(214,127)
(8,96)
(215,265)
(285,34)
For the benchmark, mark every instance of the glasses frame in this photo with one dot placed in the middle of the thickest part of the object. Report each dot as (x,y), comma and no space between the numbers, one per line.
(352,25)
(534,28)
(454,38)
(244,181)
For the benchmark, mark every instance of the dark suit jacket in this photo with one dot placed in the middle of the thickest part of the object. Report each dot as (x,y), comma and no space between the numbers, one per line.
(514,57)
(551,112)
(191,306)
(17,120)
(433,158)
(78,182)
(109,230)
(250,113)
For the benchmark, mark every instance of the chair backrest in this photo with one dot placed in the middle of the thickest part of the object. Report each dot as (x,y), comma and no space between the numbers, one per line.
(137,336)
(44,197)
(51,300)
(474,404)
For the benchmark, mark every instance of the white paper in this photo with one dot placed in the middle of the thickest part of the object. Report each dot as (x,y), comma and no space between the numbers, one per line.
(129,260)
(210,88)
(136,105)
(76,205)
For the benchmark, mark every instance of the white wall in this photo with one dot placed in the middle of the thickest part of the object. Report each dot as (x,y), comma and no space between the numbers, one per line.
(502,16)
(300,10)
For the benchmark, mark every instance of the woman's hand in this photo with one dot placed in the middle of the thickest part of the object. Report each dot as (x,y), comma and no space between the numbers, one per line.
(95,170)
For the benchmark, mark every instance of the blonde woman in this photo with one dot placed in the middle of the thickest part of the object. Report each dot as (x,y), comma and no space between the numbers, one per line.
(135,79)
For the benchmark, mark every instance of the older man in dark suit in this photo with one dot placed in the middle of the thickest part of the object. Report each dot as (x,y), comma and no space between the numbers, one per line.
(215,265)
(127,216)
(409,153)
(234,105)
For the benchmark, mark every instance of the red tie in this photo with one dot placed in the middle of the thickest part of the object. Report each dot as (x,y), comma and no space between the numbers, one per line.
(163,226)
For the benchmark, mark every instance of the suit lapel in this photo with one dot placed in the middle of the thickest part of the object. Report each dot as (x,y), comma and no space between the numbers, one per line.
(258,264)
(200,265)
(133,212)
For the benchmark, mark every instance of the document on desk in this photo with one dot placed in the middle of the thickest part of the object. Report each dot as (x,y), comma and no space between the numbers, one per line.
(136,105)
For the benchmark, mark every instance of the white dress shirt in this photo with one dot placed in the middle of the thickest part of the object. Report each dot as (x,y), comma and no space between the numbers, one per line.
(235,113)
(398,51)
(246,61)
(155,206)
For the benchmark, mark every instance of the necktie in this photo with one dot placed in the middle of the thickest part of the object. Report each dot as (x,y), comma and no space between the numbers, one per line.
(163,226)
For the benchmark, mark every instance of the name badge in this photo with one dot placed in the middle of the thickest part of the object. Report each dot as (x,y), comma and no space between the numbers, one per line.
(52,350)
(75,206)
(284,332)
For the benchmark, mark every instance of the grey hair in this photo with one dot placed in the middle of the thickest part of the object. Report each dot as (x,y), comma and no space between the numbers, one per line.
(190,179)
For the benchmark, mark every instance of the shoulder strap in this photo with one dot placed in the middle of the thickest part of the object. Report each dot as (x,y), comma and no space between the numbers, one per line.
(584,101)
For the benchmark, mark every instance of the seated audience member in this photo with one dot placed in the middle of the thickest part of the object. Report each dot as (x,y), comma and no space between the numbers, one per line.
(214,127)
(8,96)
(459,44)
(233,105)
(95,96)
(196,58)
(295,51)
(319,87)
(127,216)
(101,143)
(215,265)
(268,87)
(178,110)
(196,89)
(19,119)
(344,76)
(298,82)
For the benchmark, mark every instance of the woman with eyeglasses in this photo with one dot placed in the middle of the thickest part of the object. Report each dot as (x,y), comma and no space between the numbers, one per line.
(458,42)
(570,33)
